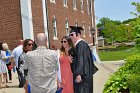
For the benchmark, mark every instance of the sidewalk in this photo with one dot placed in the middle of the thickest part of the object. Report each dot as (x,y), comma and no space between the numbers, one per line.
(100,78)
(13,87)
(106,68)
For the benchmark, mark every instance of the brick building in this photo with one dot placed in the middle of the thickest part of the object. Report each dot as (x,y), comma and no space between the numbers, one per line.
(22,19)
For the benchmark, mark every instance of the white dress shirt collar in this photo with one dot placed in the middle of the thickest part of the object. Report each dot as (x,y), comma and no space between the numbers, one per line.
(78,41)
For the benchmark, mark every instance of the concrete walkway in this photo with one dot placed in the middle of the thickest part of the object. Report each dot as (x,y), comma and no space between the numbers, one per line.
(105,70)
(13,87)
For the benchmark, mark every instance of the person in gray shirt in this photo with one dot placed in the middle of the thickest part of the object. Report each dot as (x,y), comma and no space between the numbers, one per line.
(42,67)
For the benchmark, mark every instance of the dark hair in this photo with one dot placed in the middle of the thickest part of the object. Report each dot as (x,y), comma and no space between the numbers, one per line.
(25,43)
(68,39)
(34,46)
(1,46)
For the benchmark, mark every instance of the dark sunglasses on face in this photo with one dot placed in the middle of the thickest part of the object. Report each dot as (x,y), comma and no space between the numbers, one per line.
(30,44)
(63,41)
(71,34)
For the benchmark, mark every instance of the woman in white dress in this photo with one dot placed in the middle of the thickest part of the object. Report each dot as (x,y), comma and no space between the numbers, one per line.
(8,62)
(3,67)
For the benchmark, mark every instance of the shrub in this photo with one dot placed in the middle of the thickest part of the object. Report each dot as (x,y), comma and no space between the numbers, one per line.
(127,77)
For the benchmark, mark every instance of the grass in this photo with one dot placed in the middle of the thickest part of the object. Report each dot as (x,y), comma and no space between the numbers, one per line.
(115,55)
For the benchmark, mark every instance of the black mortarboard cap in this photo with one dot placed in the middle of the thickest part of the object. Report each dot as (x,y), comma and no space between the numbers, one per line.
(76,29)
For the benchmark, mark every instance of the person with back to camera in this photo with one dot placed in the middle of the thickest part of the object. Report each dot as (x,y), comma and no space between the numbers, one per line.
(83,67)
(42,67)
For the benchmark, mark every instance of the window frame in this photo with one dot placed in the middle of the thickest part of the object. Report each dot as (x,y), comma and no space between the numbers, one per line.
(89,30)
(75,4)
(82,5)
(87,7)
(65,3)
(52,1)
(54,23)
(84,32)
(67,27)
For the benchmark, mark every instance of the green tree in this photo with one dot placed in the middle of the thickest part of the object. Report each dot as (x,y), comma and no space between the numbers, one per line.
(109,31)
(136,24)
(137,5)
(115,31)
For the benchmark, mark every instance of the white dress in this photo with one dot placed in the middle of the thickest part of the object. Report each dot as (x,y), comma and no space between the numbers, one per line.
(3,67)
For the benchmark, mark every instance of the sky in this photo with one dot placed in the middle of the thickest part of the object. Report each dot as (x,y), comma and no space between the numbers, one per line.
(114,9)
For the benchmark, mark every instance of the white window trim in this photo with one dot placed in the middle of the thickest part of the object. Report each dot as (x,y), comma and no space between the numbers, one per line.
(74,5)
(54,29)
(65,4)
(52,1)
(89,31)
(84,32)
(67,27)
(87,7)
(82,6)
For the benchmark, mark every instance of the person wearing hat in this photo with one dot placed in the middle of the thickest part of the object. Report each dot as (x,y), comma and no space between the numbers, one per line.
(83,66)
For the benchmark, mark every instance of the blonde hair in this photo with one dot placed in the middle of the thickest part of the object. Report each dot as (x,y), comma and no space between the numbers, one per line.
(5,46)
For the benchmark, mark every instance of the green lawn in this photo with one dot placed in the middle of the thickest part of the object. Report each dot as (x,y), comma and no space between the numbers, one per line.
(114,55)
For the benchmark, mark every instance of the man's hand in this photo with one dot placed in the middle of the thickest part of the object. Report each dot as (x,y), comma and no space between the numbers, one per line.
(78,79)
(13,62)
(26,87)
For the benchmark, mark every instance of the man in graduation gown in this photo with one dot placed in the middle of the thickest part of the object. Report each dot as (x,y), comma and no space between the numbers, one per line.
(83,67)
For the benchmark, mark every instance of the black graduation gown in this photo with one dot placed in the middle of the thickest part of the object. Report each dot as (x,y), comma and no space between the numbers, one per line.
(72,52)
(83,65)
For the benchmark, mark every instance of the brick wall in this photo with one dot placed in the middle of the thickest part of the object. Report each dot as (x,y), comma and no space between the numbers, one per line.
(37,14)
(61,13)
(10,22)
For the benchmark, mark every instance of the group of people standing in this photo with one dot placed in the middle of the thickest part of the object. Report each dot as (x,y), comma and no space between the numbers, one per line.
(69,68)
(13,61)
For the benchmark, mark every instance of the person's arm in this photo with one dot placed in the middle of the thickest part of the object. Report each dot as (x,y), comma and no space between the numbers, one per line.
(26,66)
(13,61)
(58,66)
(13,58)
(4,57)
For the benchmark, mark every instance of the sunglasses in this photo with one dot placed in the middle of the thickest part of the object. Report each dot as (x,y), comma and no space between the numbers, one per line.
(71,35)
(63,41)
(30,44)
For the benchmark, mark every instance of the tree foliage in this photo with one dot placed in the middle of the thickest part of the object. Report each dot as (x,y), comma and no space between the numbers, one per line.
(117,31)
(114,31)
(137,12)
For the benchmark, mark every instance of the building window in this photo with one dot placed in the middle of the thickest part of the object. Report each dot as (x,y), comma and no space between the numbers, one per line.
(87,7)
(67,27)
(82,5)
(89,31)
(54,23)
(74,5)
(84,31)
(65,3)
(76,23)
(53,1)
